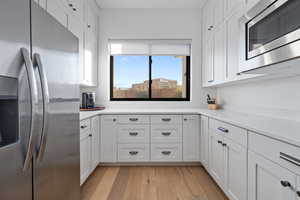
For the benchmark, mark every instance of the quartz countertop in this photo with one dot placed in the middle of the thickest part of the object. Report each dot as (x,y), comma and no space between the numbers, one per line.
(280,129)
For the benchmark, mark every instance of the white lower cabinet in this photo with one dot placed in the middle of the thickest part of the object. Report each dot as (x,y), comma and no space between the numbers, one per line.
(217,158)
(191,141)
(85,156)
(228,158)
(235,170)
(268,180)
(166,152)
(133,152)
(204,142)
(108,139)
(89,147)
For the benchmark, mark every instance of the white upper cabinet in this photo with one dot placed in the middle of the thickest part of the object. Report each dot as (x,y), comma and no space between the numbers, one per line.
(218,12)
(231,6)
(267,180)
(208,62)
(58,11)
(191,135)
(219,62)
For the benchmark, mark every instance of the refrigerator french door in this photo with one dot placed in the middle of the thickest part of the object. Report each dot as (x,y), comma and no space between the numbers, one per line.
(39,101)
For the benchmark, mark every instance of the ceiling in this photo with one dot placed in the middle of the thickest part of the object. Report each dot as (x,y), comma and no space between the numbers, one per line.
(150,3)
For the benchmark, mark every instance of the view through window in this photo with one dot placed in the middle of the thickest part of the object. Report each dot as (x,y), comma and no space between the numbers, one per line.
(131,75)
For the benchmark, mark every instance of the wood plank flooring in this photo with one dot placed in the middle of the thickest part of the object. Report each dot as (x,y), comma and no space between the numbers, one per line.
(151,183)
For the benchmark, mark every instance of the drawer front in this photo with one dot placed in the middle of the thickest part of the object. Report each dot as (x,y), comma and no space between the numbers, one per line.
(133,134)
(133,152)
(166,152)
(166,119)
(282,153)
(134,119)
(166,133)
(234,133)
(85,125)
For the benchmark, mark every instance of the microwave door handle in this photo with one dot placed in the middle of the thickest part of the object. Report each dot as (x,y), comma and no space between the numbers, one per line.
(46,101)
(34,108)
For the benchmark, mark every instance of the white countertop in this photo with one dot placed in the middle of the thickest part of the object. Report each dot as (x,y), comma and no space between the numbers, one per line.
(281,129)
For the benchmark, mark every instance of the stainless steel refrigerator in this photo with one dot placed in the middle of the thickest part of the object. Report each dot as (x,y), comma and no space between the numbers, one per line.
(39,101)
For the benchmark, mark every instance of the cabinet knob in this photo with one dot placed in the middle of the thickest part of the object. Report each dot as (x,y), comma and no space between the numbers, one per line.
(224,145)
(285,184)
(220,142)
(90,135)
(89,26)
(74,9)
(71,5)
(84,126)
(298,193)
(114,120)
(185,119)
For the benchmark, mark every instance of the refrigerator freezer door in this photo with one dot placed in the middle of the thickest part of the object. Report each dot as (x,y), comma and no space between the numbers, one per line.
(57,172)
(15,183)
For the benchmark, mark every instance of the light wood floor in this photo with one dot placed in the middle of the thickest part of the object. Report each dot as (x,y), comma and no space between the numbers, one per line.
(151,183)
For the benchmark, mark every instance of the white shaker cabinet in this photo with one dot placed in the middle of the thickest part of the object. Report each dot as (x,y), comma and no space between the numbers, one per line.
(204,142)
(235,170)
(268,180)
(95,129)
(217,158)
(191,135)
(108,139)
(85,156)
(58,11)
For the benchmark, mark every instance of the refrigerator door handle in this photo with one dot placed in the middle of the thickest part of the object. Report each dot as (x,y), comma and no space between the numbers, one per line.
(34,108)
(46,101)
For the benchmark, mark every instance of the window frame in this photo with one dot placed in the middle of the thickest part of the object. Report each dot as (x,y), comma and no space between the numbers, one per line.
(150,98)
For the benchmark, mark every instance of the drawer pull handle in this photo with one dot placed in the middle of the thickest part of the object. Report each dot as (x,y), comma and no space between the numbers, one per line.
(133,119)
(83,126)
(224,130)
(224,144)
(133,133)
(290,159)
(220,142)
(166,119)
(90,135)
(133,153)
(166,153)
(298,193)
(166,133)
(285,184)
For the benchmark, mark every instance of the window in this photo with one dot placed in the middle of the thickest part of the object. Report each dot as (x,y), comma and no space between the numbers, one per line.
(150,70)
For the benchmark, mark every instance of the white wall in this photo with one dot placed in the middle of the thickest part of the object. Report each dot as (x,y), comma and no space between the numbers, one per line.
(278,98)
(150,24)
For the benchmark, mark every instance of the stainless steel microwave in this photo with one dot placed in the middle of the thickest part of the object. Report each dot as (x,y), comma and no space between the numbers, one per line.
(270,34)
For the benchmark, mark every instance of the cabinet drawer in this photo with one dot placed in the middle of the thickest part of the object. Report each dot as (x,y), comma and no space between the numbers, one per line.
(166,119)
(282,153)
(166,152)
(234,133)
(85,125)
(134,119)
(133,152)
(166,133)
(133,133)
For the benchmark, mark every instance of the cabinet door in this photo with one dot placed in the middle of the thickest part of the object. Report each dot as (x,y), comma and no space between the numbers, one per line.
(267,180)
(204,146)
(208,19)
(220,54)
(218,12)
(216,158)
(58,11)
(85,156)
(92,21)
(191,140)
(208,62)
(108,142)
(90,61)
(236,170)
(95,141)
